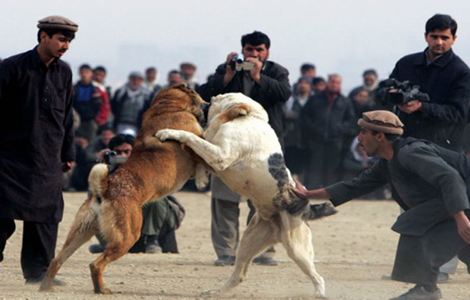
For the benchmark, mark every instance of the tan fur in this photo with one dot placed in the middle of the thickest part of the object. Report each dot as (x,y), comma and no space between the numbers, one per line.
(154,169)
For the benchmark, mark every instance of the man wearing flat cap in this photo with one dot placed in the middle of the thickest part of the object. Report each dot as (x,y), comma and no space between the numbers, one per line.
(433,184)
(36,143)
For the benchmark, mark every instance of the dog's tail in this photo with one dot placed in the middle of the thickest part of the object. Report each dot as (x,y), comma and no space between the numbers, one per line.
(96,178)
(84,227)
(296,205)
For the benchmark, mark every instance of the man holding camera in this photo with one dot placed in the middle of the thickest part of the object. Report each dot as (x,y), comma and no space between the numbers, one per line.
(445,78)
(441,74)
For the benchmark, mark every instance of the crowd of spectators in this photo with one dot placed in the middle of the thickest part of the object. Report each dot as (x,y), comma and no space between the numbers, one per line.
(315,131)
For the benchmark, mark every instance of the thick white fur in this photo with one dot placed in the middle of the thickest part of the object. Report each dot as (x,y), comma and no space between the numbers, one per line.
(238,148)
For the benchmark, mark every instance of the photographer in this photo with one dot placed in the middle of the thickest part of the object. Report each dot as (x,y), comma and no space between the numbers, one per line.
(445,78)
(161,217)
(441,74)
(434,185)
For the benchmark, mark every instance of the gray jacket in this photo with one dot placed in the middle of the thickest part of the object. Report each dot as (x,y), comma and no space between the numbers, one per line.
(431,182)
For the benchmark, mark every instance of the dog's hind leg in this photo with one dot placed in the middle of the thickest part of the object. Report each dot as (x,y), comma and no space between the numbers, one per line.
(84,227)
(121,233)
(259,235)
(296,237)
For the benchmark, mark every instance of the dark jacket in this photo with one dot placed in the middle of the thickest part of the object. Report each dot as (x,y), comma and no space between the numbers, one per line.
(432,182)
(272,91)
(323,121)
(447,82)
(36,136)
(87,101)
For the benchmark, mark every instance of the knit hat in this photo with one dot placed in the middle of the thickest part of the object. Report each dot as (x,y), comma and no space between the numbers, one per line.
(58,23)
(381,121)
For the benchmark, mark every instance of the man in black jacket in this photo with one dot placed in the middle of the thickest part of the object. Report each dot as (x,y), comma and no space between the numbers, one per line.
(36,143)
(433,183)
(446,79)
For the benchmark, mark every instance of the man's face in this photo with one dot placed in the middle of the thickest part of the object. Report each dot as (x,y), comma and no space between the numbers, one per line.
(99,76)
(188,72)
(123,150)
(151,75)
(86,76)
(174,79)
(304,87)
(260,52)
(361,97)
(56,45)
(370,79)
(106,136)
(135,82)
(334,84)
(319,87)
(440,41)
(310,73)
(368,141)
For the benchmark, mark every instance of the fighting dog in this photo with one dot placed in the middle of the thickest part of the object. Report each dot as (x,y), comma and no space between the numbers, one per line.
(244,151)
(154,169)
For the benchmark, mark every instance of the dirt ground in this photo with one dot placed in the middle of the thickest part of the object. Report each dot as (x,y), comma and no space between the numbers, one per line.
(354,249)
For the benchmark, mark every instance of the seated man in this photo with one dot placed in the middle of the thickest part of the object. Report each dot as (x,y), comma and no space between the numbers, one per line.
(431,184)
(160,217)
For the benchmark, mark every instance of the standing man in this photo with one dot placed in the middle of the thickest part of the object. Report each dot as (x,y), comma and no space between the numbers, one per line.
(446,79)
(327,123)
(433,184)
(36,143)
(267,83)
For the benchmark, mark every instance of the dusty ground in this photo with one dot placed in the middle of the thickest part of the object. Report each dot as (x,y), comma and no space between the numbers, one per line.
(354,249)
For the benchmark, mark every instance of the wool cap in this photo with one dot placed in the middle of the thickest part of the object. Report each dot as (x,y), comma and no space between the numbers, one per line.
(381,121)
(57,22)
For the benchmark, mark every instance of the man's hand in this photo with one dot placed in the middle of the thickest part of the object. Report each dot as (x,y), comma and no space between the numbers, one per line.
(410,107)
(255,73)
(301,191)
(463,226)
(67,166)
(229,72)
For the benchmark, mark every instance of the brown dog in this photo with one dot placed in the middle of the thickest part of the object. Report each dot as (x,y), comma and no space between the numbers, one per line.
(153,170)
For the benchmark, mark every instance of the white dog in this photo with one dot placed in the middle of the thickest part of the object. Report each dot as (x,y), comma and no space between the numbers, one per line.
(244,151)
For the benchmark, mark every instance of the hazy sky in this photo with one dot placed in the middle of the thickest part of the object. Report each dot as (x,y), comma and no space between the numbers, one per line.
(337,36)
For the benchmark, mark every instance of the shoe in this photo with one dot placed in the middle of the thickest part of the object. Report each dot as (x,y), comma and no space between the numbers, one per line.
(419,293)
(225,260)
(55,281)
(264,260)
(151,244)
(317,211)
(442,277)
(153,248)
(96,248)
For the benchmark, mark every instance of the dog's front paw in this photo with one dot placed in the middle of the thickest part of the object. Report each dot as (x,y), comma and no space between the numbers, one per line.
(202,177)
(168,134)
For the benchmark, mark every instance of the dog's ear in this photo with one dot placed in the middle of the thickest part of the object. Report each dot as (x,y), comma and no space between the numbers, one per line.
(236,111)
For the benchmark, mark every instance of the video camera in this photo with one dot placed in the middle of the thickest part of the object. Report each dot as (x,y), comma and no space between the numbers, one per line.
(239,64)
(392,91)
